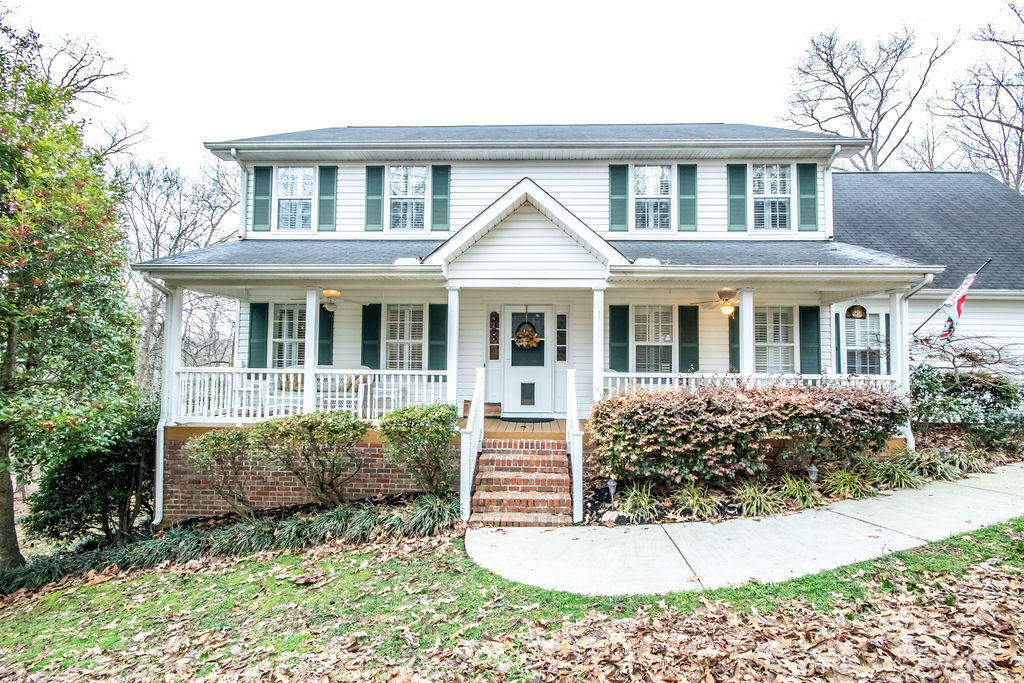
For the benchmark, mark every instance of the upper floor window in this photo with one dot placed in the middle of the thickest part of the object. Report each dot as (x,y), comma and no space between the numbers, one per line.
(403,341)
(652,192)
(771,188)
(864,344)
(295,188)
(774,342)
(407,186)
(652,336)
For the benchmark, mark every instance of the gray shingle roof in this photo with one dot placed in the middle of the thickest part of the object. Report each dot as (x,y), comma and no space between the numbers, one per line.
(637,132)
(953,219)
(299,252)
(758,253)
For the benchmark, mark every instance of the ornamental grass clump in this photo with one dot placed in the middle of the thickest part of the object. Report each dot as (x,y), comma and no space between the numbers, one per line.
(716,433)
(894,474)
(698,501)
(638,503)
(800,491)
(757,499)
(847,482)
(932,463)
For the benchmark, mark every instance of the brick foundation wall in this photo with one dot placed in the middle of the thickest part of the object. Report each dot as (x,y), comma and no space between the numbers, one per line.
(188,494)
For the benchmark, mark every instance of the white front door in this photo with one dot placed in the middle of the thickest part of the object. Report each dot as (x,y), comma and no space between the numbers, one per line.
(528,377)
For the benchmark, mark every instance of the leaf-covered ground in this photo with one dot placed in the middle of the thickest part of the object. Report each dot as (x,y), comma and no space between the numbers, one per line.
(422,609)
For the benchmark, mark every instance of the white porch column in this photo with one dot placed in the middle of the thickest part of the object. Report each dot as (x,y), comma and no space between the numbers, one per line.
(172,354)
(598,344)
(747,331)
(309,360)
(452,361)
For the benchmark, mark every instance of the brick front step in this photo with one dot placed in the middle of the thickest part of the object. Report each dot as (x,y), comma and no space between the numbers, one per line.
(525,445)
(519,519)
(541,482)
(511,501)
(523,464)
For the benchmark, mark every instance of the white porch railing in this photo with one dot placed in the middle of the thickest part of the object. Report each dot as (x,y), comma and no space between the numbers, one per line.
(247,395)
(470,444)
(574,441)
(618,382)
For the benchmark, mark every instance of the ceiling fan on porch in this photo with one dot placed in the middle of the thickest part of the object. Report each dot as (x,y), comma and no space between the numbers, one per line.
(726,302)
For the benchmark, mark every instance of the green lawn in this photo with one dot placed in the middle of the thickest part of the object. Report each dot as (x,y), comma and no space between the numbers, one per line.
(234,613)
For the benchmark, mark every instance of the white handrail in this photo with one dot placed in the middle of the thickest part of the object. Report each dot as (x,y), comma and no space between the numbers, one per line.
(574,442)
(470,444)
(617,382)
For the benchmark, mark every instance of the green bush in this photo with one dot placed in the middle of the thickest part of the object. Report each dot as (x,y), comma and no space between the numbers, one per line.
(715,433)
(419,440)
(99,480)
(757,499)
(222,455)
(318,448)
(986,404)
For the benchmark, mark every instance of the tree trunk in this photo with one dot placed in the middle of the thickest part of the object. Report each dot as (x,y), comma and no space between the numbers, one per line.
(10,554)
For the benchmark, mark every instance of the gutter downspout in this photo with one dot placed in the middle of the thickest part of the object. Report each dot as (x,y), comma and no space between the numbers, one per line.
(158,465)
(908,431)
(243,194)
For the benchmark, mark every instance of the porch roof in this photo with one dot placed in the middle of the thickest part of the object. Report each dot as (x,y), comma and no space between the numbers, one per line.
(278,253)
(794,253)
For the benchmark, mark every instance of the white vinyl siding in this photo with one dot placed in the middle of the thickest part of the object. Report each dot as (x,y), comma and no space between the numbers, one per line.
(772,189)
(404,342)
(407,197)
(863,343)
(652,338)
(652,197)
(288,329)
(294,187)
(774,340)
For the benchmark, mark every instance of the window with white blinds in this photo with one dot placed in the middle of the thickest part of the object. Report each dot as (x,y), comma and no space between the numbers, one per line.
(289,335)
(652,197)
(774,340)
(407,187)
(864,345)
(295,187)
(652,337)
(404,337)
(772,188)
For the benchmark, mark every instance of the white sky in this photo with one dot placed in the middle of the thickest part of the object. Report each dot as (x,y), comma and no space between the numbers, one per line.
(216,70)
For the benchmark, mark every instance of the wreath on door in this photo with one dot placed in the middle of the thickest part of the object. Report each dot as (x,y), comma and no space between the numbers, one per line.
(526,336)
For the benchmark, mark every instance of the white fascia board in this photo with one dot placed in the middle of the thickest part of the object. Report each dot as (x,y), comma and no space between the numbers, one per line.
(526,190)
(992,294)
(654,273)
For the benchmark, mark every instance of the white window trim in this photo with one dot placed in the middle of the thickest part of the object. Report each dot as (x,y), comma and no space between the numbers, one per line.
(275,195)
(794,220)
(794,314)
(384,331)
(674,360)
(428,191)
(673,199)
(883,340)
(274,340)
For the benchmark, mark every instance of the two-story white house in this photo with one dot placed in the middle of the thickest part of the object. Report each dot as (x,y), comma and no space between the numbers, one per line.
(528,271)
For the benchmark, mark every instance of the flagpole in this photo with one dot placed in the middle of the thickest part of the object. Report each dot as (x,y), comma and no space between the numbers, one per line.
(914,333)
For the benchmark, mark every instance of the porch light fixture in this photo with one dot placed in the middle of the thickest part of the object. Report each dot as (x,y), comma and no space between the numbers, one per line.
(331,293)
(727,309)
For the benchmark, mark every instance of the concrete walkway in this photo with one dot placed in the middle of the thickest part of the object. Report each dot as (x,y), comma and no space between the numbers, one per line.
(632,560)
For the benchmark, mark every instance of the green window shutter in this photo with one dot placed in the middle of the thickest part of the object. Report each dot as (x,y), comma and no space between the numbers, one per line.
(440,194)
(737,183)
(689,351)
(326,198)
(687,182)
(437,337)
(262,182)
(807,189)
(618,338)
(618,197)
(374,198)
(888,347)
(810,340)
(259,321)
(370,354)
(734,340)
(838,334)
(325,337)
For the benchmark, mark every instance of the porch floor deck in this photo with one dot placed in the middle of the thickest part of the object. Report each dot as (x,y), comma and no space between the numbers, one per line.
(496,428)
